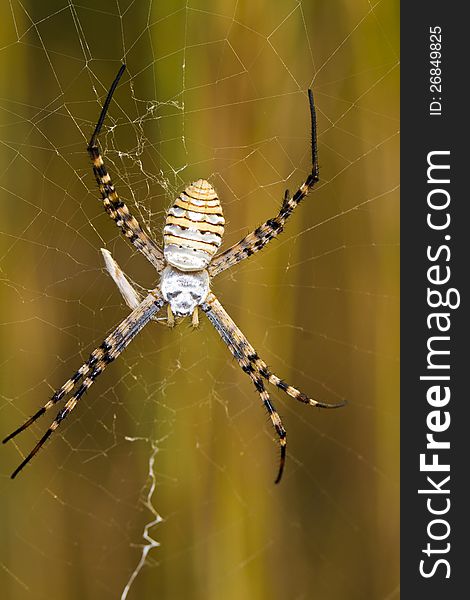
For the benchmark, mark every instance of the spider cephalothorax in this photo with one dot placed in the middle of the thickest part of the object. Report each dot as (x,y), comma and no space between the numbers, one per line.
(192,235)
(184,291)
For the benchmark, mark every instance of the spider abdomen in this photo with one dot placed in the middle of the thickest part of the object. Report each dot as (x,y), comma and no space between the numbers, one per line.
(193,228)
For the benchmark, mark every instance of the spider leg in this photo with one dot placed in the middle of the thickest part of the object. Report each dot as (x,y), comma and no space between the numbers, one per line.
(244,347)
(230,334)
(289,389)
(99,359)
(170,317)
(113,205)
(271,228)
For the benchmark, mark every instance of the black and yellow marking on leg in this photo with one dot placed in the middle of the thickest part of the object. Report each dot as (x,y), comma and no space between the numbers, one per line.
(119,212)
(257,369)
(115,208)
(247,350)
(230,334)
(256,241)
(99,359)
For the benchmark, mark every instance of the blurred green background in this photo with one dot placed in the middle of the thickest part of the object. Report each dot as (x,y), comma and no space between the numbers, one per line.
(217,90)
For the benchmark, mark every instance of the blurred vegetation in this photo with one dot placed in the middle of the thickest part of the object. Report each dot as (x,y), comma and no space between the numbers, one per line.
(213,89)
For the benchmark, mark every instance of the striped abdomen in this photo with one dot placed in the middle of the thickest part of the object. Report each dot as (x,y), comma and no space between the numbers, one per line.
(194,228)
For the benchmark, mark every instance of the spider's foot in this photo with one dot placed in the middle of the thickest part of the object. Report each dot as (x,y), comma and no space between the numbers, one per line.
(195,318)
(283,460)
(170,319)
(327,404)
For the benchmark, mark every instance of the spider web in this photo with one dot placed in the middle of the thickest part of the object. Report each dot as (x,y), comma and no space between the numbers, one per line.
(160,484)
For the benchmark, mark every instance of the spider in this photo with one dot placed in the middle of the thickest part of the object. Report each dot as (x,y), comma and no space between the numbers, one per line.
(192,235)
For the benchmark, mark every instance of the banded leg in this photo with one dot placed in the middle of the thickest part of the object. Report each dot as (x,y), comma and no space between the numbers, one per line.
(289,389)
(227,331)
(113,205)
(243,346)
(99,359)
(263,234)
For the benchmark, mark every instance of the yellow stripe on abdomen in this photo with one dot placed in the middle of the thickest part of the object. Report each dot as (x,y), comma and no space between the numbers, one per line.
(199,225)
(193,228)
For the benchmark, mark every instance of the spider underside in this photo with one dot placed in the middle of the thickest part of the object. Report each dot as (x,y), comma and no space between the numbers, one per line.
(192,235)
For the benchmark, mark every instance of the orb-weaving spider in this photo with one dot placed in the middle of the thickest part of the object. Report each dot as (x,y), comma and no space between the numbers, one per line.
(192,235)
